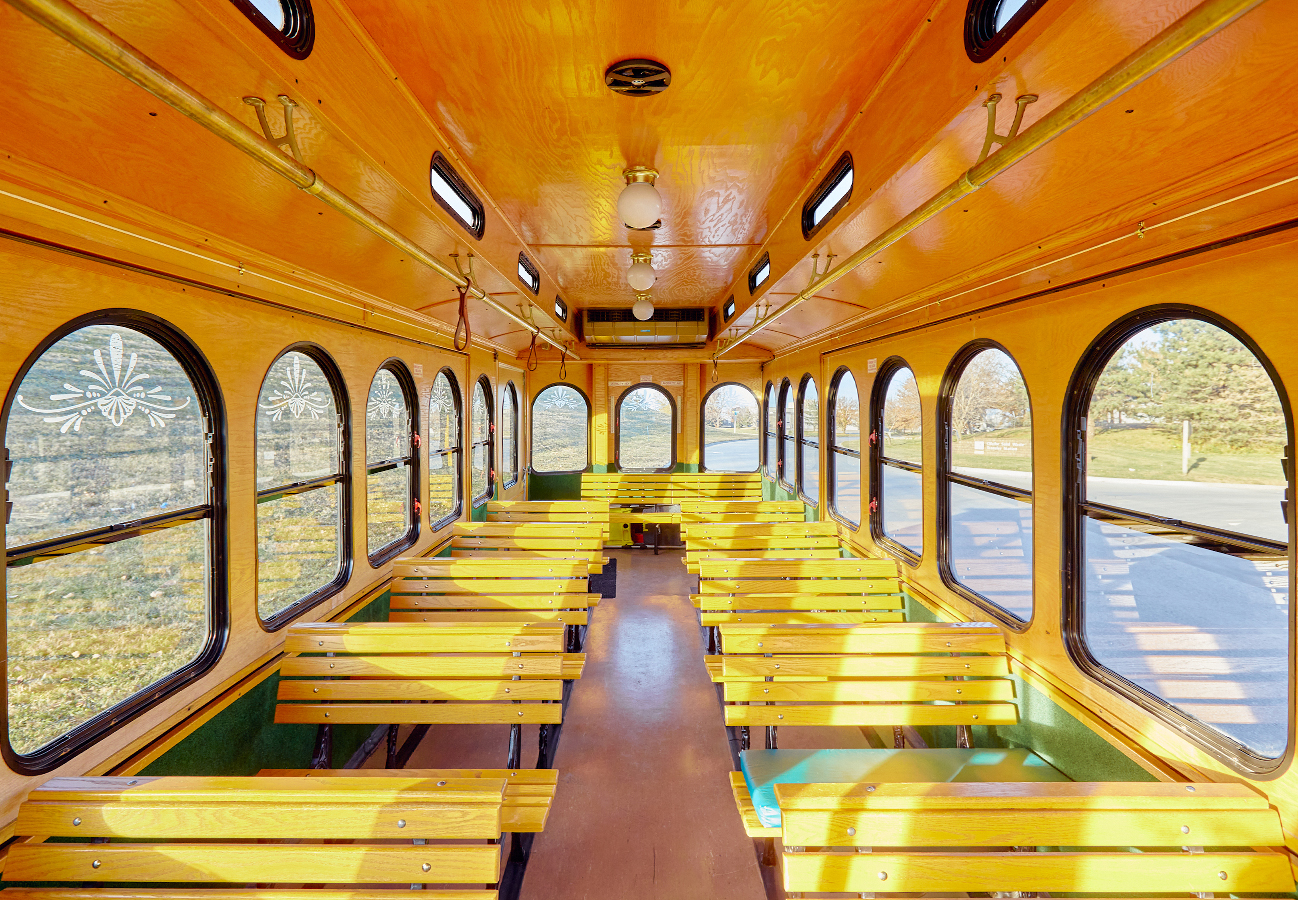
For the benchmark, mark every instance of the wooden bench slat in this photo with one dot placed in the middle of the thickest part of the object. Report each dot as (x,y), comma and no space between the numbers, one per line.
(771,569)
(495,666)
(873,585)
(15,893)
(849,639)
(875,714)
(395,713)
(864,666)
(757,529)
(527,543)
(328,864)
(545,530)
(447,567)
(1036,795)
(450,641)
(479,601)
(488,586)
(419,689)
(797,602)
(237,789)
(566,616)
(916,690)
(801,618)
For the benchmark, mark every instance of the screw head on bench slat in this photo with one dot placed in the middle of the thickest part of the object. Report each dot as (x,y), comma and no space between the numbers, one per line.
(870,789)
(401,823)
(1185,829)
(1221,875)
(851,832)
(95,865)
(76,821)
(1190,788)
(427,867)
(883,876)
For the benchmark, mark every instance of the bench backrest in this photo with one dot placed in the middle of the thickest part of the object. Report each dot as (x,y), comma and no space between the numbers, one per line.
(865,675)
(742,511)
(168,826)
(806,591)
(669,488)
(967,839)
(563,511)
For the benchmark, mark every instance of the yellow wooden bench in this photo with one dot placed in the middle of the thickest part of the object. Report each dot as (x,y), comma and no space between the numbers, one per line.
(768,511)
(808,540)
(896,675)
(442,589)
(530,540)
(655,499)
(398,673)
(238,832)
(1027,839)
(572,512)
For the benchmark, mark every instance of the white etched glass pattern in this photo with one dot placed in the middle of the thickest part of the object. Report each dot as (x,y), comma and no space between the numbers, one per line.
(645,430)
(508,433)
(902,422)
(105,428)
(443,450)
(730,419)
(299,547)
(89,630)
(560,420)
(789,472)
(387,420)
(480,424)
(772,416)
(297,424)
(990,547)
(809,461)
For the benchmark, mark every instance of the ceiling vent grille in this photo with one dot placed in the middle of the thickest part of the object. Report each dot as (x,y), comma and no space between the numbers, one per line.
(666,327)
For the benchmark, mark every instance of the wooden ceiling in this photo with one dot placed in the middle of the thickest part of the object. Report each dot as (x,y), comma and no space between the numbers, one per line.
(760,90)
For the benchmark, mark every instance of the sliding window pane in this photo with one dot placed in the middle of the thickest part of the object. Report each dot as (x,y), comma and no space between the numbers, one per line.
(991,547)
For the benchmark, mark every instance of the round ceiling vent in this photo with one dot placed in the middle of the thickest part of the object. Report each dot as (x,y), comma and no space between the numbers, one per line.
(637,77)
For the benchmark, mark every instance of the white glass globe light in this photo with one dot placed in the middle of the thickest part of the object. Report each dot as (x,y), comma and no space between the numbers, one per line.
(641,276)
(639,205)
(643,309)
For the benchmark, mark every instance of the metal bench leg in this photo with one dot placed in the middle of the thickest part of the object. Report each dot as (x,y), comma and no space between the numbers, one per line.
(322,758)
(743,738)
(392,747)
(515,747)
(543,748)
(658,536)
(770,738)
(898,737)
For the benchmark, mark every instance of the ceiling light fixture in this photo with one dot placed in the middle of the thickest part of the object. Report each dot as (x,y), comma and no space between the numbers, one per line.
(639,205)
(644,307)
(641,276)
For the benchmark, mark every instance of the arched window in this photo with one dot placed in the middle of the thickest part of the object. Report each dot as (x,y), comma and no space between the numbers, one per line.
(303,545)
(509,434)
(391,516)
(482,430)
(444,443)
(289,23)
(788,436)
(772,417)
(646,430)
(808,441)
(1178,595)
(729,430)
(845,448)
(985,497)
(560,430)
(897,507)
(115,549)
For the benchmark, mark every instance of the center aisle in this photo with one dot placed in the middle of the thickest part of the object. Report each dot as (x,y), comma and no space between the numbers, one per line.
(644,808)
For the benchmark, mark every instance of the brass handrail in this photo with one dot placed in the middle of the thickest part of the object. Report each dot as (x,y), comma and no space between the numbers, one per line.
(80,30)
(1183,35)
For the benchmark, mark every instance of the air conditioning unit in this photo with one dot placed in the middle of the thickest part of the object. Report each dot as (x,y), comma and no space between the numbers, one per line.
(666,328)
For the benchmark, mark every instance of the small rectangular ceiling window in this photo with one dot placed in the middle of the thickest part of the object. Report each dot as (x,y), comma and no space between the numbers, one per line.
(758,274)
(289,23)
(453,195)
(829,197)
(729,309)
(528,275)
(561,309)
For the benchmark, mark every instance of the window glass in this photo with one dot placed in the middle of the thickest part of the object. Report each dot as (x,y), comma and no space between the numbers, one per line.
(389,462)
(845,449)
(454,196)
(1005,11)
(900,493)
(299,484)
(445,192)
(480,441)
(443,450)
(772,432)
(730,430)
(646,430)
(105,429)
(560,421)
(273,10)
(809,437)
(788,435)
(989,483)
(509,434)
(1185,582)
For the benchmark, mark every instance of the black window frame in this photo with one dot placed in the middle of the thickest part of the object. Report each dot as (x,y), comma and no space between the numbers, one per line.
(803,442)
(488,443)
(531,438)
(981,39)
(840,170)
(781,467)
(411,395)
(530,268)
(1077,402)
(297,37)
(510,393)
(560,308)
(770,464)
(878,395)
(441,166)
(946,477)
(831,435)
(703,405)
(728,309)
(208,390)
(753,283)
(617,446)
(455,453)
(343,478)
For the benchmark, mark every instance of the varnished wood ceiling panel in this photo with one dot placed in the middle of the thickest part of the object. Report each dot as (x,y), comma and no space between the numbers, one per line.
(760,89)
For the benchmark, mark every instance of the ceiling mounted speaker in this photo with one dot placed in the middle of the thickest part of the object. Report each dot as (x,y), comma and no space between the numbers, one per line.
(637,77)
